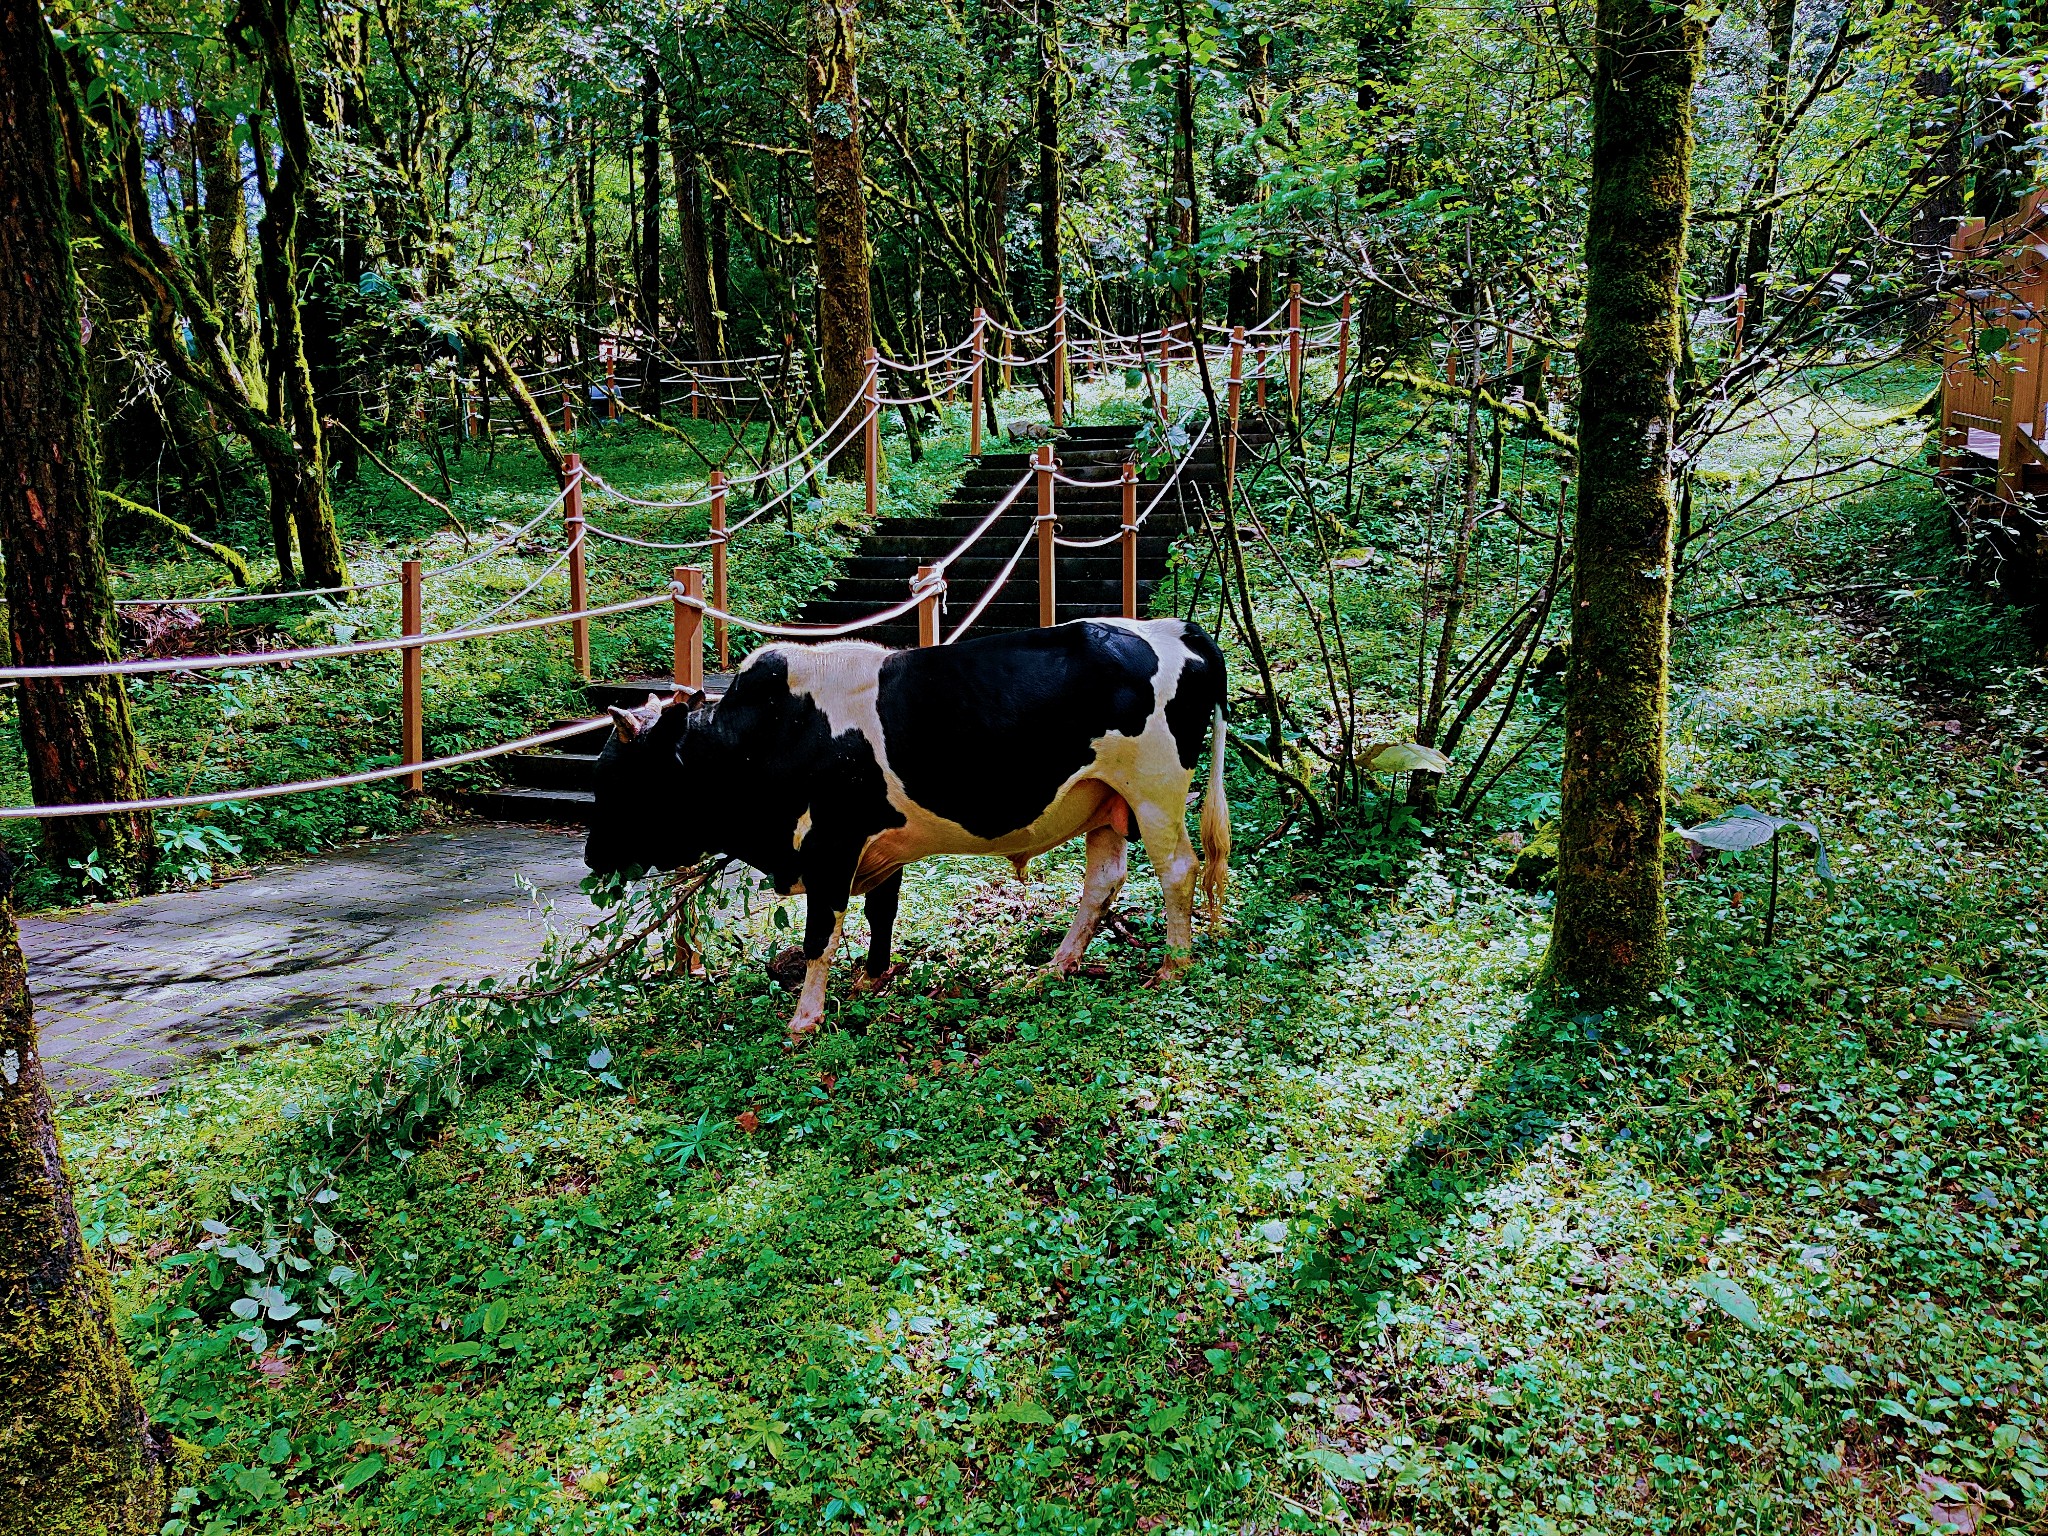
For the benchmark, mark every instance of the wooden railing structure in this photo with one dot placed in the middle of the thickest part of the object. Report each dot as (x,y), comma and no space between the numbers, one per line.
(1994,399)
(692,602)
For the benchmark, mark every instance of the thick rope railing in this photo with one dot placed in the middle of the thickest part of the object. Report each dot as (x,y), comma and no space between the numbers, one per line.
(158,665)
(989,593)
(297,786)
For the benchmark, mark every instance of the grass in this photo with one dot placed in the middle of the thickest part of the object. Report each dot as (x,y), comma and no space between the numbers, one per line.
(1345,1231)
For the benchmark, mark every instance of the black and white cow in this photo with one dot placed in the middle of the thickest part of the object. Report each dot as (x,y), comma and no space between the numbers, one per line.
(830,767)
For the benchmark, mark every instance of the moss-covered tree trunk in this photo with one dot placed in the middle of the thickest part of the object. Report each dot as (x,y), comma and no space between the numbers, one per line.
(845,317)
(76,733)
(1608,944)
(77,1452)
(301,482)
(707,337)
(231,281)
(648,279)
(1048,122)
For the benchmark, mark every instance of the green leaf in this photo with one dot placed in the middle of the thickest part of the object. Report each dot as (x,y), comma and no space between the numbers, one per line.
(1835,1376)
(496,1316)
(1345,1468)
(361,1473)
(1739,829)
(1021,1410)
(1729,1297)
(449,1353)
(1166,1418)
(1159,1466)
(1993,339)
(1403,757)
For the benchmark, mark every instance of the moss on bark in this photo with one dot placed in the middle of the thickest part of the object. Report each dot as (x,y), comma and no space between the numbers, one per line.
(75,732)
(1609,943)
(77,1453)
(845,313)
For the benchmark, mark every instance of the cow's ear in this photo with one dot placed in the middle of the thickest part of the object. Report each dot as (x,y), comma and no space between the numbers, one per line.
(625,722)
(696,700)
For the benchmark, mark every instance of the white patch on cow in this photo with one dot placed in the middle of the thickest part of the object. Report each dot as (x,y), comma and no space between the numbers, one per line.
(803,830)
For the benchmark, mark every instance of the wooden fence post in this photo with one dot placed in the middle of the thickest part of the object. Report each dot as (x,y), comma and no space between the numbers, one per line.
(1294,343)
(611,383)
(688,621)
(1059,360)
(720,640)
(1343,341)
(1048,552)
(1007,354)
(579,584)
(1130,540)
(871,433)
(1741,306)
(413,748)
(927,610)
(974,394)
(568,410)
(693,395)
(1236,395)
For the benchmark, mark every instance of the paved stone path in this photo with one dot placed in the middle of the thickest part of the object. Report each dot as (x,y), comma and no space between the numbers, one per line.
(138,989)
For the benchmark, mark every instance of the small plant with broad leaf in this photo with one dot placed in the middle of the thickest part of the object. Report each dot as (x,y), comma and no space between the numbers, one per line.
(1742,828)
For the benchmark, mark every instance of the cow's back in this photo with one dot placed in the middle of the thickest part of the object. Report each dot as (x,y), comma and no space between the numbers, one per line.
(986,732)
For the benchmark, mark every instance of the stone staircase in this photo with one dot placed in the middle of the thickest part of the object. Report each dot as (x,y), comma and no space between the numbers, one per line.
(1088,583)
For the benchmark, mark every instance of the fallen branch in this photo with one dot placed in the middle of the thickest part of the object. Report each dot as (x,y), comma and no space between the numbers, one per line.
(237,566)
(1514,410)
(433,501)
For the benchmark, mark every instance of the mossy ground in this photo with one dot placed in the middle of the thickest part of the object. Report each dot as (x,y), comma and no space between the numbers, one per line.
(1339,1232)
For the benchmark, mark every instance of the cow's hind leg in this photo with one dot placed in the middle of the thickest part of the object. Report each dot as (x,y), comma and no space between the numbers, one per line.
(1105,877)
(881,909)
(1164,829)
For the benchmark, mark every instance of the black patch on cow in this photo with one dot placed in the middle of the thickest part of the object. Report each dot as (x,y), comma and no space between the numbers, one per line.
(737,781)
(985,732)
(1196,695)
(769,756)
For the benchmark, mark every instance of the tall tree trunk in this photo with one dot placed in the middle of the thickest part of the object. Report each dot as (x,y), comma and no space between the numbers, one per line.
(721,241)
(1049,148)
(650,238)
(1386,32)
(304,480)
(1608,943)
(77,1452)
(233,285)
(1779,18)
(706,339)
(1938,137)
(845,319)
(583,140)
(1241,179)
(75,733)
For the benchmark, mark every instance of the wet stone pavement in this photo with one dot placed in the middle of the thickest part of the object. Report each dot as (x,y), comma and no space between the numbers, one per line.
(139,989)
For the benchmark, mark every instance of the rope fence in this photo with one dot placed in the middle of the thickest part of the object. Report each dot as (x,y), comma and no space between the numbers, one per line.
(963,365)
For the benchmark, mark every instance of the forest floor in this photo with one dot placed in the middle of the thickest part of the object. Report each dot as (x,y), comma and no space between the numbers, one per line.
(1344,1231)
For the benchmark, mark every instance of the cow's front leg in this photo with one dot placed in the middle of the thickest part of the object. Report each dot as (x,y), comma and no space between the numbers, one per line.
(881,909)
(824,918)
(1107,863)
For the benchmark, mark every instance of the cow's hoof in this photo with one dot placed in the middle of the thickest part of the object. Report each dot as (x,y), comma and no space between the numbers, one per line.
(864,982)
(1172,970)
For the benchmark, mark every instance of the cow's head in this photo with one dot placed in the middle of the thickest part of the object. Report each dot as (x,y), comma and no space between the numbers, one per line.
(643,817)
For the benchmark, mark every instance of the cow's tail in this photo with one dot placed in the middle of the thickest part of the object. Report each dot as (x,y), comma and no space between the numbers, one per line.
(1215,827)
